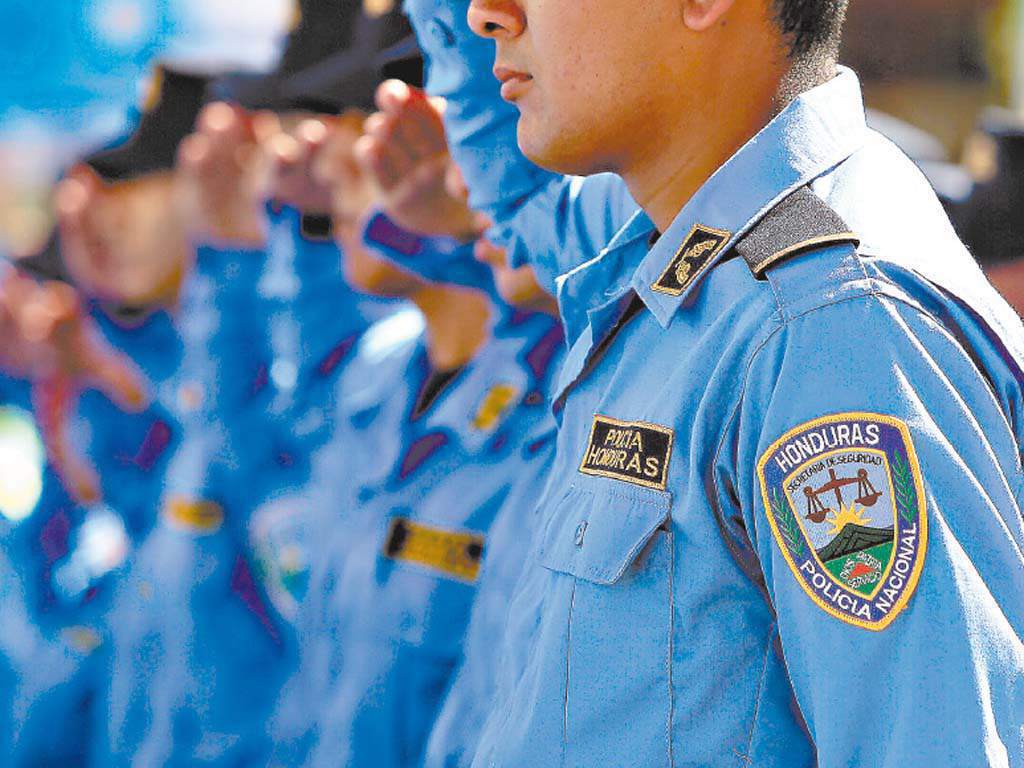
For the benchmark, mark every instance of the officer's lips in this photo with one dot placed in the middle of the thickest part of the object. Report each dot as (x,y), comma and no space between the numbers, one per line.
(513,83)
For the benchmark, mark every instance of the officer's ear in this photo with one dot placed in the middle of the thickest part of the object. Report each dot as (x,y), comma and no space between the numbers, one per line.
(701,15)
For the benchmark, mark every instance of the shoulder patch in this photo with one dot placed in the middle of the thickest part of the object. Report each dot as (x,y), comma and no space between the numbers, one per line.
(456,554)
(800,222)
(701,245)
(633,451)
(845,500)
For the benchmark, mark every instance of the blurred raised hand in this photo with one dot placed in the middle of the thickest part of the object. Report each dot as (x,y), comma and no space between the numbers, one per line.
(291,154)
(337,171)
(222,167)
(405,154)
(51,341)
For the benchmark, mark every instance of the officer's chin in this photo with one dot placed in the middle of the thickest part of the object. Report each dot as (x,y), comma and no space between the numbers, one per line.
(554,147)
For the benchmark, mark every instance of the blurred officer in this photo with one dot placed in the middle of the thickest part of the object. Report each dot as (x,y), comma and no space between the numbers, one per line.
(116,205)
(47,642)
(405,151)
(389,600)
(284,376)
(208,594)
(123,213)
(754,453)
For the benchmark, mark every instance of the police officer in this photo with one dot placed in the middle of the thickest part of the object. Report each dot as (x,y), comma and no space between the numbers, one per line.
(71,543)
(422,187)
(460,421)
(263,137)
(787,383)
(48,640)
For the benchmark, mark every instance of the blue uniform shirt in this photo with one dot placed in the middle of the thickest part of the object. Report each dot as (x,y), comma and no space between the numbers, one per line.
(779,504)
(380,362)
(314,322)
(47,646)
(905,330)
(64,554)
(454,735)
(196,651)
(402,569)
(131,451)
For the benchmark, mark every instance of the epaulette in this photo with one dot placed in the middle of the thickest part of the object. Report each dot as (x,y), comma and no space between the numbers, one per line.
(799,223)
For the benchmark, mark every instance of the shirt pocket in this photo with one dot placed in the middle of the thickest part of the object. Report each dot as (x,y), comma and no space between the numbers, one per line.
(617,550)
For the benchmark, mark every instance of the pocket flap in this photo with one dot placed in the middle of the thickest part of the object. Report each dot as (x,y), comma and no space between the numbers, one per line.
(597,536)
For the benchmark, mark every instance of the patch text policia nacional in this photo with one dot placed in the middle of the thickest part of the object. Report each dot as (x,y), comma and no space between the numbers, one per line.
(845,500)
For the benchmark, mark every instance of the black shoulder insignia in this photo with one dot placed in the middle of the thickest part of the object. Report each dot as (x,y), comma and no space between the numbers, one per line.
(800,222)
(701,245)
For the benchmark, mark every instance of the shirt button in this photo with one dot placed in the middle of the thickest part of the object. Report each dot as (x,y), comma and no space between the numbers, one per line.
(581,529)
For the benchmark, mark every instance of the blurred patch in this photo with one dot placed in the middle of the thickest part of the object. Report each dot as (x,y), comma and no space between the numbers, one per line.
(450,553)
(495,405)
(278,537)
(195,516)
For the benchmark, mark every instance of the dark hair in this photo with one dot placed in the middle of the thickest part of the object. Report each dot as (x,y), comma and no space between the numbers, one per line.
(812,27)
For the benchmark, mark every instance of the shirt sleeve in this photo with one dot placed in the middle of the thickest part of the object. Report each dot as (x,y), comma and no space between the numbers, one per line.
(555,222)
(879,484)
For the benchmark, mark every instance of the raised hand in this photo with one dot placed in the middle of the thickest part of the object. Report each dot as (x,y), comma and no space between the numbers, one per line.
(336,170)
(405,153)
(221,166)
(289,171)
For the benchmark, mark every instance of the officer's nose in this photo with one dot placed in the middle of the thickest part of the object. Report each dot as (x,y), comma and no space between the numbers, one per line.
(497,19)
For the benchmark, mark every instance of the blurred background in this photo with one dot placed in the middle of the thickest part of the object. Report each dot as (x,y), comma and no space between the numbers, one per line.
(72,67)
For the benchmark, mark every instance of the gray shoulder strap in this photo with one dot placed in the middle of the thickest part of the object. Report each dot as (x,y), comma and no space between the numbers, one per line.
(800,222)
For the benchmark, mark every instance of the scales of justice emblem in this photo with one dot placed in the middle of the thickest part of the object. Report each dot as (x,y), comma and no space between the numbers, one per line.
(845,500)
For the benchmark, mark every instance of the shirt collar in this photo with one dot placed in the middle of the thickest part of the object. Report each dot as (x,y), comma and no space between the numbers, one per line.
(605,278)
(815,132)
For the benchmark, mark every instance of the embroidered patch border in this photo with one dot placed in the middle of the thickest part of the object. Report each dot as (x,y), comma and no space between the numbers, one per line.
(456,554)
(702,244)
(866,568)
(621,451)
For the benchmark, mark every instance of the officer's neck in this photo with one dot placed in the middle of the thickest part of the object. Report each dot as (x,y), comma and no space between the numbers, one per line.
(706,129)
(457,323)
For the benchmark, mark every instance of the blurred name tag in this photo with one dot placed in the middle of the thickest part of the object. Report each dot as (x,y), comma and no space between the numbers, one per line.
(453,554)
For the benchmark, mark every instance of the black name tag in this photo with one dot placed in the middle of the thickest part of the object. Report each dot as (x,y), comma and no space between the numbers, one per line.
(699,248)
(633,451)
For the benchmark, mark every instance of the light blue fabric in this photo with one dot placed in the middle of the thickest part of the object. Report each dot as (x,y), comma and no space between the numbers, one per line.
(131,451)
(66,557)
(47,645)
(379,363)
(454,735)
(209,606)
(666,626)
